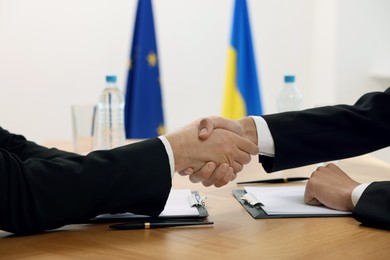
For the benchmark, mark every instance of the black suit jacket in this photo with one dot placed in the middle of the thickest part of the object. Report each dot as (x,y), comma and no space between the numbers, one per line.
(336,132)
(43,188)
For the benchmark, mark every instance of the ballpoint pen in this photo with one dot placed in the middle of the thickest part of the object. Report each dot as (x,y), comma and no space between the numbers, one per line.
(278,180)
(147,225)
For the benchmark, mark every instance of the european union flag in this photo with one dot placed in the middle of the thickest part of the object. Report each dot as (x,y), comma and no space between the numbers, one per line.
(242,95)
(143,103)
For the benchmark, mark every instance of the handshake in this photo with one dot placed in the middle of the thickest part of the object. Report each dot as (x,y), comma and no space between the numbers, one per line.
(213,150)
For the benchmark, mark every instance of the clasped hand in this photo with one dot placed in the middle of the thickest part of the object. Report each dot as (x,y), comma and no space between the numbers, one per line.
(212,150)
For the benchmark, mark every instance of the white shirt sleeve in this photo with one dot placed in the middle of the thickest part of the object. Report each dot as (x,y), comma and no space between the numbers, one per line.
(265,140)
(168,149)
(357,192)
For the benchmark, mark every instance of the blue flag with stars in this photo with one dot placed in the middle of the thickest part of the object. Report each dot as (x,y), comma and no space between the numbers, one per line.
(143,102)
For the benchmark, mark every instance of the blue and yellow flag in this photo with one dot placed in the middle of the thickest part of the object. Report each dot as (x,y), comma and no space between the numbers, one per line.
(143,104)
(242,95)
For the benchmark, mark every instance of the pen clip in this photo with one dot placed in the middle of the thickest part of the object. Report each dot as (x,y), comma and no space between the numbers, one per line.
(251,200)
(196,201)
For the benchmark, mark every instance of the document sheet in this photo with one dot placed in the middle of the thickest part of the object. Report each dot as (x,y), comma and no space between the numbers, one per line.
(178,205)
(287,200)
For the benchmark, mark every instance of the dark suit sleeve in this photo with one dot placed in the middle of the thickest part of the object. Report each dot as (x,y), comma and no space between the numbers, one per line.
(43,188)
(336,132)
(329,133)
(373,207)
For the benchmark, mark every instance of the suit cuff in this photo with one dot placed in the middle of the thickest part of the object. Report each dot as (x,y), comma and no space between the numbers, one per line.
(265,140)
(357,193)
(168,149)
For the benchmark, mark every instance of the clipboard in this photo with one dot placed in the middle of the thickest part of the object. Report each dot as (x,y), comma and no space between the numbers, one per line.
(195,201)
(257,212)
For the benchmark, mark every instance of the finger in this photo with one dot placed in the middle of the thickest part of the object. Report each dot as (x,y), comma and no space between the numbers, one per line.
(237,167)
(226,178)
(234,176)
(309,197)
(247,146)
(334,167)
(203,173)
(205,128)
(242,157)
(319,170)
(217,175)
(186,172)
(227,124)
(313,202)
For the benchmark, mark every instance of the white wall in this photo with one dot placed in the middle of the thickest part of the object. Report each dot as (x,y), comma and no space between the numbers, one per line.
(54,53)
(363,47)
(362,51)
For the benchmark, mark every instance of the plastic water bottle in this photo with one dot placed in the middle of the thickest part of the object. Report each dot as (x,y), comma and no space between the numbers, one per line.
(290,98)
(110,127)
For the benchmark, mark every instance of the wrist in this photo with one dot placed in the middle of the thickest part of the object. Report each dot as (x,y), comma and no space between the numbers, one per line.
(185,150)
(349,195)
(176,143)
(250,128)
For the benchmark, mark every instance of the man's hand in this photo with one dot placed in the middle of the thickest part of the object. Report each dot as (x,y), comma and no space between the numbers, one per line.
(205,128)
(330,186)
(210,174)
(244,127)
(221,147)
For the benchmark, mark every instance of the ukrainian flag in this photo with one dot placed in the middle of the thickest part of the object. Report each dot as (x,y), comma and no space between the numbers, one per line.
(242,95)
(143,102)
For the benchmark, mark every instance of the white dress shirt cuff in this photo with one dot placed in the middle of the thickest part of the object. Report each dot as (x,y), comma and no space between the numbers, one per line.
(264,137)
(169,151)
(357,193)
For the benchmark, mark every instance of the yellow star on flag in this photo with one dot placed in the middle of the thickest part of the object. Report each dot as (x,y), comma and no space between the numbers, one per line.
(152,59)
(161,130)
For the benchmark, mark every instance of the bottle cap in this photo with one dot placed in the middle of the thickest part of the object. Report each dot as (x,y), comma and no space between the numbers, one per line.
(289,79)
(111,79)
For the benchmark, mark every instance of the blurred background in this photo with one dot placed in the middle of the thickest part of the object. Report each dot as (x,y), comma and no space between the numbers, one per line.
(56,53)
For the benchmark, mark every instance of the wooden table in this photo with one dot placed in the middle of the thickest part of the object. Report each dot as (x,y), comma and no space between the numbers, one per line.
(235,234)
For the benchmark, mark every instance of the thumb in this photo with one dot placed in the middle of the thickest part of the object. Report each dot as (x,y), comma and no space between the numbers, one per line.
(186,172)
(309,197)
(206,127)
(313,202)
